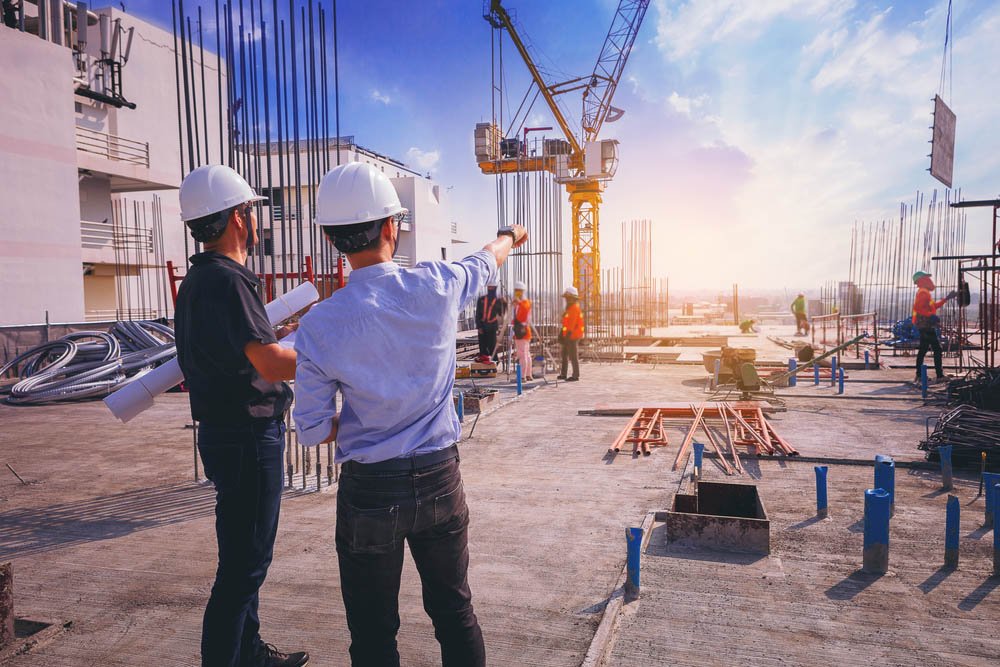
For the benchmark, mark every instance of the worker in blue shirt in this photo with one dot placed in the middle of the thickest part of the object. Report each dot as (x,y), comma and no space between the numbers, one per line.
(386,344)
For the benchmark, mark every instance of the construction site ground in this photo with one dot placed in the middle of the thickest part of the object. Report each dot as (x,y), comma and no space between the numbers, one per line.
(110,532)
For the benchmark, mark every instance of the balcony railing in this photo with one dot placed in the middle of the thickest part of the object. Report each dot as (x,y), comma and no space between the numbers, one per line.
(98,235)
(111,147)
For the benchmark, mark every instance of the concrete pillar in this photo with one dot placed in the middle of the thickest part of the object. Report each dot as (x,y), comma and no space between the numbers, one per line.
(6,604)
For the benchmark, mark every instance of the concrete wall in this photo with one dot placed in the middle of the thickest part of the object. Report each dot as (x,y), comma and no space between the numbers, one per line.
(40,257)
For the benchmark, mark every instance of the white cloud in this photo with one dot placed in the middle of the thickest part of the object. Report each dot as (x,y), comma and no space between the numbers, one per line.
(698,24)
(379,96)
(686,105)
(425,161)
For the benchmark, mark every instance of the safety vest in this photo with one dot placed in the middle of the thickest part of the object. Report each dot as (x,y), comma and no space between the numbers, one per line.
(572,323)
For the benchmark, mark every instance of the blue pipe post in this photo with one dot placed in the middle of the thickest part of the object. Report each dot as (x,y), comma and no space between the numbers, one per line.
(867,359)
(990,479)
(699,453)
(461,407)
(520,385)
(947,481)
(953,514)
(633,537)
(996,529)
(833,371)
(840,380)
(816,374)
(875,558)
(923,381)
(885,478)
(821,505)
(715,376)
(792,366)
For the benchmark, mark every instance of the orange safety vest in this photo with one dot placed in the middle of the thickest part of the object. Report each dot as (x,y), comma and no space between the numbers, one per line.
(924,306)
(521,314)
(572,323)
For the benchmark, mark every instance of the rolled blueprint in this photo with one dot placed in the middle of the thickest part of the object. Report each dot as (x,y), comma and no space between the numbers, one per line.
(138,394)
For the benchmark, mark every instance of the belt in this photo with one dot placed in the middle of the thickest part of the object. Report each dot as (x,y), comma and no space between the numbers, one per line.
(403,464)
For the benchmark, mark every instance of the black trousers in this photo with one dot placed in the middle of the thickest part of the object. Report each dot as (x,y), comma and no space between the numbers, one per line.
(376,512)
(244,462)
(488,341)
(929,340)
(570,354)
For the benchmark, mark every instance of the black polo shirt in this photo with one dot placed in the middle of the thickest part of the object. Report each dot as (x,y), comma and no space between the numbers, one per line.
(218,312)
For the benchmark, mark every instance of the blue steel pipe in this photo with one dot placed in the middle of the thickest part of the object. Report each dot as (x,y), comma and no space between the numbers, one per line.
(953,514)
(816,374)
(633,537)
(520,384)
(792,366)
(834,362)
(885,478)
(947,480)
(996,529)
(699,453)
(821,501)
(875,558)
(840,380)
(990,479)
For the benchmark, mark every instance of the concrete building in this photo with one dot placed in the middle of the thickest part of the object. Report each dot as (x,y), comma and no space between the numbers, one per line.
(91,163)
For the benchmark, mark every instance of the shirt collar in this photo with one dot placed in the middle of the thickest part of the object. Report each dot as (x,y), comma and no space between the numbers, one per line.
(213,257)
(374,271)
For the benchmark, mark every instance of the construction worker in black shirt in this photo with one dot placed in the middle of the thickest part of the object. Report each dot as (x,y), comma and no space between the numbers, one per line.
(234,370)
(490,310)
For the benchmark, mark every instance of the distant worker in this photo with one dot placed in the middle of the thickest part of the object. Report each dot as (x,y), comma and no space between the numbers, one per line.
(747,326)
(926,321)
(490,311)
(234,370)
(570,334)
(386,344)
(801,319)
(522,329)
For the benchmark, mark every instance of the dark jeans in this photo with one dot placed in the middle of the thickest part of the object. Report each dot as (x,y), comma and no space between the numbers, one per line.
(929,340)
(375,513)
(488,341)
(245,464)
(570,353)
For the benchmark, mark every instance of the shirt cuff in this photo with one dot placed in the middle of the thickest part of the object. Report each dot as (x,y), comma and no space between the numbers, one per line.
(316,434)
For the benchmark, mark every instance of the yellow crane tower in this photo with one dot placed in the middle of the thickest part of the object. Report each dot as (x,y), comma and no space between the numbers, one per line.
(583,164)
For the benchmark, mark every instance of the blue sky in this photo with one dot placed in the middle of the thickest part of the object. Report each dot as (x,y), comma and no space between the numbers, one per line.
(755,133)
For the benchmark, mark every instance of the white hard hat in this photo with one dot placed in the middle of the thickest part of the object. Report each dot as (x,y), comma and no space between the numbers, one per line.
(211,189)
(519,285)
(354,193)
(571,291)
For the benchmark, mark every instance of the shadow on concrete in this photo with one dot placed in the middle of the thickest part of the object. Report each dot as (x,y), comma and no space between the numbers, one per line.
(858,526)
(855,583)
(805,524)
(935,579)
(978,533)
(975,597)
(34,530)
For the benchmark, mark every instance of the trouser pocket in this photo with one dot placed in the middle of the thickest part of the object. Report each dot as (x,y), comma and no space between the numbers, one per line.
(367,530)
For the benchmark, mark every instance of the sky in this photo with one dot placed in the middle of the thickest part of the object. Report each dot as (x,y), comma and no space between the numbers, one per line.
(755,134)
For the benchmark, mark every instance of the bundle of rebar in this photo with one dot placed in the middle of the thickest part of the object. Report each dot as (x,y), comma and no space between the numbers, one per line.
(87,364)
(979,387)
(970,431)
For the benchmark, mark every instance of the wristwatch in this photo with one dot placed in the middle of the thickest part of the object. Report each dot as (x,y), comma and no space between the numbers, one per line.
(508,231)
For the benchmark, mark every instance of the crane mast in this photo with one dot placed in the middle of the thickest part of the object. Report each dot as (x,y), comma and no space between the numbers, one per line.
(590,162)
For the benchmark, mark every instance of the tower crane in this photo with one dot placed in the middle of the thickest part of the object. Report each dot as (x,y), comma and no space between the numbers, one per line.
(583,164)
